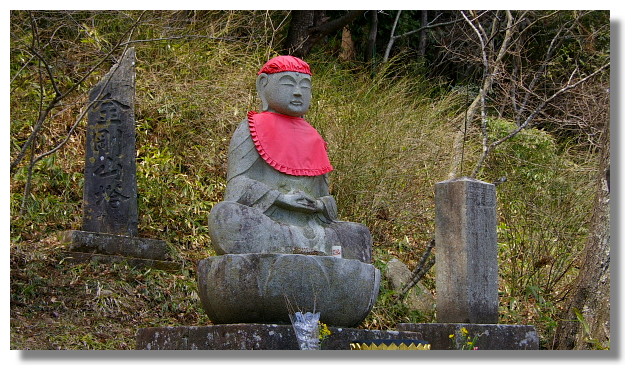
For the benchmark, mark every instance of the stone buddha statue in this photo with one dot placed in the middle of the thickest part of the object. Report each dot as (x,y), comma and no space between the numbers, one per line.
(277,196)
(275,229)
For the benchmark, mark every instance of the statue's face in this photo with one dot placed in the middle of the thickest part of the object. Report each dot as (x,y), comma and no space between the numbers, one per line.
(288,93)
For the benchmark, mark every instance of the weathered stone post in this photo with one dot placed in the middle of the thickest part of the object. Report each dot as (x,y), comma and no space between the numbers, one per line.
(466,259)
(110,183)
(110,221)
(467,273)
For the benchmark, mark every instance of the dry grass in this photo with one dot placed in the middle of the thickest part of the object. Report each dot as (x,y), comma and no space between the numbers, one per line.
(59,305)
(390,140)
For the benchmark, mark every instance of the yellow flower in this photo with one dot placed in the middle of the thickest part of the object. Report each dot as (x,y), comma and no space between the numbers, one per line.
(464,330)
(451,336)
(324,331)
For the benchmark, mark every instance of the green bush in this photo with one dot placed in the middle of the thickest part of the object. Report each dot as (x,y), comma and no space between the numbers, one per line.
(543,213)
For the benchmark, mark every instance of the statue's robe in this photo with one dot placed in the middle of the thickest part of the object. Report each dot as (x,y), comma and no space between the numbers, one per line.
(249,221)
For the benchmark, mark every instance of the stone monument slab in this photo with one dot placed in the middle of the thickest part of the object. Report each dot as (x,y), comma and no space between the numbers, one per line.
(466,257)
(110,183)
(110,218)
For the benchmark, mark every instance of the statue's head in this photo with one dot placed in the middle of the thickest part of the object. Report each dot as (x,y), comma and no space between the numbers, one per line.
(284,86)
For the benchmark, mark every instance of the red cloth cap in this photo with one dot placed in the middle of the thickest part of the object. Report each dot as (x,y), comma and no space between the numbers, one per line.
(285,64)
(289,144)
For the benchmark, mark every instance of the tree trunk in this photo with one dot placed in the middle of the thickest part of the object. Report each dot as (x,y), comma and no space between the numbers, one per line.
(347,52)
(372,37)
(298,35)
(585,323)
(423,36)
(308,27)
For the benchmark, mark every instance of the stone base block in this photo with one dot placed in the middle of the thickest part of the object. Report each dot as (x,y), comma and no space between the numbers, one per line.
(488,336)
(254,337)
(76,257)
(264,288)
(83,246)
(111,244)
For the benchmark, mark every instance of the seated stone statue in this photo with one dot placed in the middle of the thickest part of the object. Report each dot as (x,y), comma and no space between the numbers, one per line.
(277,196)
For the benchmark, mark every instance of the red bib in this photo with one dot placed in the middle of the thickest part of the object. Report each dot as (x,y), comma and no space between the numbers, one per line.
(289,144)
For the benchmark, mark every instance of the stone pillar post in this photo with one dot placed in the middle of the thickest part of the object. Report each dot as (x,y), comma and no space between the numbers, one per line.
(466,258)
(110,184)
(111,219)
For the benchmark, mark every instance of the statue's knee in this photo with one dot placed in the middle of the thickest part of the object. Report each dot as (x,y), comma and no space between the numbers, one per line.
(359,232)
(224,225)
(221,210)
(228,217)
(355,239)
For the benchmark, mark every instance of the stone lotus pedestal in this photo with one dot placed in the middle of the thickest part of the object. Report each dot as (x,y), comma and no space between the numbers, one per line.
(262,288)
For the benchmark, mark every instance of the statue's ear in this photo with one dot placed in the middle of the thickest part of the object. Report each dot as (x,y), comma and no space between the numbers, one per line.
(261,82)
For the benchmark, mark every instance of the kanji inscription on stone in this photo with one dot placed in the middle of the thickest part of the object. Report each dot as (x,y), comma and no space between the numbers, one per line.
(110,185)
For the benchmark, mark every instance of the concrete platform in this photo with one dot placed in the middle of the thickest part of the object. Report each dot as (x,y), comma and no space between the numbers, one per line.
(253,337)
(488,336)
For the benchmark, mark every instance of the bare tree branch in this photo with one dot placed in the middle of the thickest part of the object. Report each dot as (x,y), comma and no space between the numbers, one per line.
(44,113)
(224,39)
(393,38)
(59,96)
(420,270)
(391,41)
(530,118)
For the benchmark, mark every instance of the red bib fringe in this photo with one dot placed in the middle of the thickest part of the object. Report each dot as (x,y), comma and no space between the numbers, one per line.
(289,144)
